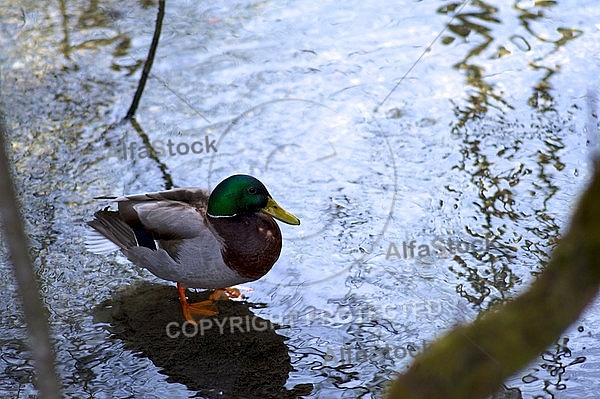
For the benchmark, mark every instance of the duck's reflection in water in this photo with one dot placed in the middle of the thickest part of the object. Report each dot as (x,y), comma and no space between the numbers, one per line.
(233,355)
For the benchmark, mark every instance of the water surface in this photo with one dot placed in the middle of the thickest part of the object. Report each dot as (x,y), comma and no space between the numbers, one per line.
(487,137)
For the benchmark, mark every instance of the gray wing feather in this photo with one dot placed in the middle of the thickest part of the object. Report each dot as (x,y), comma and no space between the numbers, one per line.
(188,250)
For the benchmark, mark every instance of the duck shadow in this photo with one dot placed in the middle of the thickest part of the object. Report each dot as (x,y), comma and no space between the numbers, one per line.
(235,354)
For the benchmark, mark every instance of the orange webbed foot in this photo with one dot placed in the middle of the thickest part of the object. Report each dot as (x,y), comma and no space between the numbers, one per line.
(203,308)
(222,294)
(208,307)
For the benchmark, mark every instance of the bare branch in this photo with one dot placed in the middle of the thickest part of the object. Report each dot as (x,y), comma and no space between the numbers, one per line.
(35,314)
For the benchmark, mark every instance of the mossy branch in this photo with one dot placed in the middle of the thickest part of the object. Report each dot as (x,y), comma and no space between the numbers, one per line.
(472,361)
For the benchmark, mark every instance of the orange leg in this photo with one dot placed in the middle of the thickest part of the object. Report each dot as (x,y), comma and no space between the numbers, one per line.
(204,308)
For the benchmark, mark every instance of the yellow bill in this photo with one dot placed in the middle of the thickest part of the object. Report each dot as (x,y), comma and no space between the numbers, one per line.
(273,209)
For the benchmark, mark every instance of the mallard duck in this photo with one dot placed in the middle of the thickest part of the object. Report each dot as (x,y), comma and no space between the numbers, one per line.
(196,239)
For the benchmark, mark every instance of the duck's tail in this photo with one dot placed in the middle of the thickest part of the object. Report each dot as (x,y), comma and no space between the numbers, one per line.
(110,233)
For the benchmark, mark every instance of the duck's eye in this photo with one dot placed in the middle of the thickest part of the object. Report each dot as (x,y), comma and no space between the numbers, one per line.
(252,190)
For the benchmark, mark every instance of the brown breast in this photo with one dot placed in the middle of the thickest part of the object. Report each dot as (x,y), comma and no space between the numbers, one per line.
(251,243)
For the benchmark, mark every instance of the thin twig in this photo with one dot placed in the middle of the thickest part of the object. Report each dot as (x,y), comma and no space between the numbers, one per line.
(153,156)
(425,52)
(149,61)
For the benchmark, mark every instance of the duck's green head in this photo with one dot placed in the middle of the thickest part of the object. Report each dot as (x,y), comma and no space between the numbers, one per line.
(243,194)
